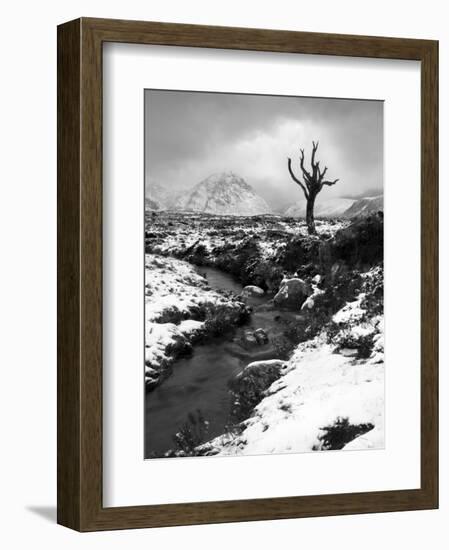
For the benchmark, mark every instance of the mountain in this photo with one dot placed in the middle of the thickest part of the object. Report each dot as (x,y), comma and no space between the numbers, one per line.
(338,207)
(224,193)
(157,196)
(365,206)
(327,208)
(151,204)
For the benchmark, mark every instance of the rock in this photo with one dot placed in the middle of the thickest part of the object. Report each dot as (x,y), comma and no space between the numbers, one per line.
(337,269)
(249,339)
(292,293)
(348,352)
(261,368)
(256,338)
(310,302)
(252,291)
(249,386)
(261,336)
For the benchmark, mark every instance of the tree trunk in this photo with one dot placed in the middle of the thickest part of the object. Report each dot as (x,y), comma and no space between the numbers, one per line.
(309,215)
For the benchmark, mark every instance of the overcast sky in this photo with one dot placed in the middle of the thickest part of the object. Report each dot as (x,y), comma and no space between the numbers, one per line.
(191,135)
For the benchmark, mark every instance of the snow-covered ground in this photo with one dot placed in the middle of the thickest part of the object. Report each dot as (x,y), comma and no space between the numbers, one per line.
(175,233)
(329,391)
(173,287)
(325,387)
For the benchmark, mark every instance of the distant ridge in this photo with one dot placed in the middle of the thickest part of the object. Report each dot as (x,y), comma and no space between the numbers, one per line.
(157,196)
(330,208)
(151,204)
(338,207)
(365,206)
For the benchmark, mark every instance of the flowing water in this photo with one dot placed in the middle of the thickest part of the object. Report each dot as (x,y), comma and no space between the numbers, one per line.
(200,381)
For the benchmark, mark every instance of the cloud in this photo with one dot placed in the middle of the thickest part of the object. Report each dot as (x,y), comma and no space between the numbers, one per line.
(190,135)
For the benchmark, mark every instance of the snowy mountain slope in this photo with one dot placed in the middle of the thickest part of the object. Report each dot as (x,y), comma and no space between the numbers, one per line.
(365,206)
(158,196)
(151,204)
(224,193)
(338,207)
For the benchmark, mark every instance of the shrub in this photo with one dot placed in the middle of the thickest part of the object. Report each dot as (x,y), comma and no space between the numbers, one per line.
(283,347)
(339,288)
(295,332)
(299,251)
(361,243)
(179,347)
(373,287)
(218,322)
(172,315)
(339,434)
(238,260)
(192,433)
(347,339)
(248,388)
(365,346)
(199,255)
(267,275)
(222,319)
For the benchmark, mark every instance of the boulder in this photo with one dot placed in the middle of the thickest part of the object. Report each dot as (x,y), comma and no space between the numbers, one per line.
(292,293)
(261,369)
(338,269)
(261,336)
(249,339)
(348,352)
(309,303)
(256,338)
(252,291)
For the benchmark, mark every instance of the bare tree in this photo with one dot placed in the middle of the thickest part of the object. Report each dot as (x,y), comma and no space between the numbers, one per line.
(312,184)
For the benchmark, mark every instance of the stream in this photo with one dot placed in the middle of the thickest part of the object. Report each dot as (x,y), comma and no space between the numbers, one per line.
(200,381)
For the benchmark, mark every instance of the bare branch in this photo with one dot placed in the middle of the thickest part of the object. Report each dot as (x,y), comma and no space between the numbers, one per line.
(316,171)
(307,175)
(322,173)
(295,179)
(315,165)
(314,149)
(329,182)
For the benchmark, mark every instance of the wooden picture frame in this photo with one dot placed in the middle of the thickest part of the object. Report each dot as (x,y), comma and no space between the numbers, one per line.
(80,503)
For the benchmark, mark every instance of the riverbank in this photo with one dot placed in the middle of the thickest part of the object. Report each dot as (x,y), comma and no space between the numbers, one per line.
(181,309)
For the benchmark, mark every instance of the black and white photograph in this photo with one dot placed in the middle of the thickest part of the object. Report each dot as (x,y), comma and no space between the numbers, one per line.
(264,279)
(225,249)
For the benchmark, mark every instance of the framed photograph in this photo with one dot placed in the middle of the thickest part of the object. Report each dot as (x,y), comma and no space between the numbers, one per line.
(247,274)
